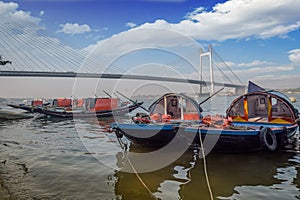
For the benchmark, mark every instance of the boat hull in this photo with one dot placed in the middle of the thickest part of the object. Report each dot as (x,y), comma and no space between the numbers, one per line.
(237,139)
(8,115)
(147,134)
(28,108)
(243,140)
(87,114)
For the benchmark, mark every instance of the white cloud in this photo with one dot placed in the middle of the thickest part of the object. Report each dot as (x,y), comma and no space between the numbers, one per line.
(6,8)
(130,24)
(42,13)
(73,29)
(295,56)
(9,12)
(254,63)
(139,38)
(234,19)
(238,19)
(277,81)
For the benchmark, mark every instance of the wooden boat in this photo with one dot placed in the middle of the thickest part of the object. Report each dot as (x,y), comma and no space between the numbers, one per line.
(32,107)
(176,116)
(9,115)
(90,107)
(166,117)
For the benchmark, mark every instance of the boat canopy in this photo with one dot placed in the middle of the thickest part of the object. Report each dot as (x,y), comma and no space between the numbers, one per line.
(176,106)
(263,106)
(101,104)
(62,102)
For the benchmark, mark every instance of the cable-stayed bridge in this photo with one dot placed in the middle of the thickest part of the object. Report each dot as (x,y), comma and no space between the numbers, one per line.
(33,53)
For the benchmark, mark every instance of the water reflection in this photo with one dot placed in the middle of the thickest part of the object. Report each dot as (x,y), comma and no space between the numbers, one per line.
(256,175)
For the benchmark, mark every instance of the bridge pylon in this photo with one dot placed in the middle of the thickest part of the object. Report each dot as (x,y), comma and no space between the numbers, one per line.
(211,73)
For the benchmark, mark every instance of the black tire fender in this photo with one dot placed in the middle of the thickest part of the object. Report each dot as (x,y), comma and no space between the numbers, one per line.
(268,139)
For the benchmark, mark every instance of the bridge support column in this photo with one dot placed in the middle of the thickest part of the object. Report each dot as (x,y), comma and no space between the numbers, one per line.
(211,70)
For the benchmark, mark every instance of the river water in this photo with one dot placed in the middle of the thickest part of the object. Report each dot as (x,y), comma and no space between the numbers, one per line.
(47,158)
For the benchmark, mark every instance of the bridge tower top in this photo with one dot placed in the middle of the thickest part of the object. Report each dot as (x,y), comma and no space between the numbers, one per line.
(211,74)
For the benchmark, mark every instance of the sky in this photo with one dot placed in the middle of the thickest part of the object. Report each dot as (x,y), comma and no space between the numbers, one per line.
(258,40)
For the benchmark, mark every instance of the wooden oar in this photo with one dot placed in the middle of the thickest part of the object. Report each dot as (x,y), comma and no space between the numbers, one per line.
(107,94)
(123,102)
(205,100)
(134,102)
(95,94)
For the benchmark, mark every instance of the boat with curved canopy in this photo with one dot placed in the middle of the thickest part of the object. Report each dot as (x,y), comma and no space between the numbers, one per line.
(162,124)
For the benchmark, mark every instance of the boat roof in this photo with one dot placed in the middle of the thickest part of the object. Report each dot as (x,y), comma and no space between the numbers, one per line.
(194,102)
(254,89)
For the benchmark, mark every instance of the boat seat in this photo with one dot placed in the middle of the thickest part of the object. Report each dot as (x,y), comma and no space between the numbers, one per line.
(191,116)
(258,119)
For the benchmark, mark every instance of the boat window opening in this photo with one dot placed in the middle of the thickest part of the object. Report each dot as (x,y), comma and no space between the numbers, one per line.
(274,104)
(174,102)
(262,101)
(190,107)
(280,110)
(238,108)
(257,108)
(90,103)
(178,107)
(172,107)
(54,103)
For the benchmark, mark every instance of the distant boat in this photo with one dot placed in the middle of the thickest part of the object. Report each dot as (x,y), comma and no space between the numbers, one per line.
(9,115)
(32,107)
(248,125)
(88,107)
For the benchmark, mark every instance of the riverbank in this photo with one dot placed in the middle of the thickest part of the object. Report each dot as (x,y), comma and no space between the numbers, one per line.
(4,193)
(3,190)
(12,174)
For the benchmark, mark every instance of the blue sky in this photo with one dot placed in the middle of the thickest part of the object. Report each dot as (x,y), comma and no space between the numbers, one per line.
(259,40)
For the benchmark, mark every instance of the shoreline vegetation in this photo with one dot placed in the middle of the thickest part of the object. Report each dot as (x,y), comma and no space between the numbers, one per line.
(291,91)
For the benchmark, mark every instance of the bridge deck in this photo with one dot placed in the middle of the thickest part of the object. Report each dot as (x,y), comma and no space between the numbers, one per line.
(110,76)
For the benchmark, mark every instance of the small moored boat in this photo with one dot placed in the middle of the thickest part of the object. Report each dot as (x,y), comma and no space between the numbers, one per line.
(32,107)
(9,115)
(89,107)
(166,115)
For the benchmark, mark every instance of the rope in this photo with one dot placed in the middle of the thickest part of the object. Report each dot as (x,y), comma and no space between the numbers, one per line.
(141,180)
(134,170)
(205,167)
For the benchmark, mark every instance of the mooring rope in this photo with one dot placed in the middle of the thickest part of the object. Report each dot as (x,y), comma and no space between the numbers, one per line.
(205,166)
(125,152)
(141,180)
